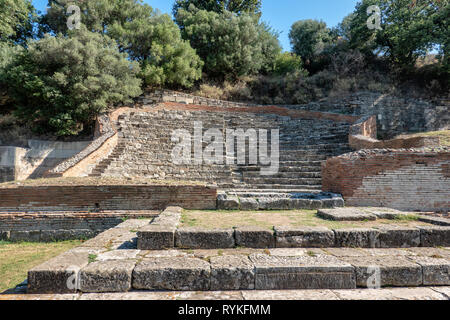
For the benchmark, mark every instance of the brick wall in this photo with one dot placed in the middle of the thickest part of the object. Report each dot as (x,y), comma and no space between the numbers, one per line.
(118,197)
(414,179)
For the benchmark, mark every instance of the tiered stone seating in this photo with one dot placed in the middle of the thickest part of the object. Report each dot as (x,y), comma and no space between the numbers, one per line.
(145,146)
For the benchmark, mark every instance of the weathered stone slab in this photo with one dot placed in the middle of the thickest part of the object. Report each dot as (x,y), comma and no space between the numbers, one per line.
(172,273)
(58,275)
(345,214)
(197,238)
(254,237)
(438,221)
(374,271)
(357,238)
(436,271)
(305,237)
(25,236)
(63,235)
(232,273)
(156,237)
(385,213)
(398,237)
(390,294)
(435,236)
(248,204)
(258,295)
(226,202)
(107,276)
(304,272)
(118,255)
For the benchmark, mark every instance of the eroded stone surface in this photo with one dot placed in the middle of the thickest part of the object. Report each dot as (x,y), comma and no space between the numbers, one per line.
(306,237)
(435,236)
(436,271)
(172,273)
(398,237)
(254,237)
(107,276)
(232,273)
(357,237)
(156,237)
(373,271)
(304,272)
(197,238)
(346,214)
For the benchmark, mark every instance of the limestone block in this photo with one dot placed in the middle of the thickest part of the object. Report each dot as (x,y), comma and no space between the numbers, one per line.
(232,273)
(398,237)
(358,237)
(436,271)
(372,271)
(312,237)
(107,276)
(435,236)
(254,237)
(302,272)
(197,238)
(172,273)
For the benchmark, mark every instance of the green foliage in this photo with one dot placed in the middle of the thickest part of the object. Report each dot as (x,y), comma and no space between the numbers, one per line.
(61,83)
(236,6)
(16,20)
(147,36)
(309,38)
(408,29)
(231,45)
(156,42)
(287,62)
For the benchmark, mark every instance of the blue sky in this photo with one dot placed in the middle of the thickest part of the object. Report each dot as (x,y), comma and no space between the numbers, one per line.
(280,14)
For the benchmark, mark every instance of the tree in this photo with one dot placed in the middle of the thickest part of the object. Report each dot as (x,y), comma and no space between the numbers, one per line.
(309,38)
(407,31)
(287,62)
(150,38)
(61,83)
(230,45)
(16,20)
(219,6)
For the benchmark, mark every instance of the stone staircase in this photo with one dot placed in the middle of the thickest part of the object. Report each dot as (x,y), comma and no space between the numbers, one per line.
(145,146)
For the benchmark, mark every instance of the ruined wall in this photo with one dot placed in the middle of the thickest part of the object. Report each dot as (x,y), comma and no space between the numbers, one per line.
(117,197)
(395,114)
(24,163)
(413,179)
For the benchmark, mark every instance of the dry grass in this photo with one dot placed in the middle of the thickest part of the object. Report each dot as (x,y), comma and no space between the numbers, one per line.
(95,181)
(444,136)
(268,219)
(17,258)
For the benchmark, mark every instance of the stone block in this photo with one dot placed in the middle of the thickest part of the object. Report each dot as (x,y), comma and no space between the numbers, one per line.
(398,237)
(358,237)
(4,235)
(197,238)
(227,203)
(435,271)
(438,221)
(156,237)
(64,235)
(435,236)
(172,273)
(107,276)
(345,214)
(302,272)
(232,273)
(306,237)
(25,236)
(128,254)
(254,237)
(248,204)
(385,271)
(58,275)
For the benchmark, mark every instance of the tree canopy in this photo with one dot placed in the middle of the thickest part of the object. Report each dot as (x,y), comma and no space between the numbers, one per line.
(61,83)
(230,45)
(16,20)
